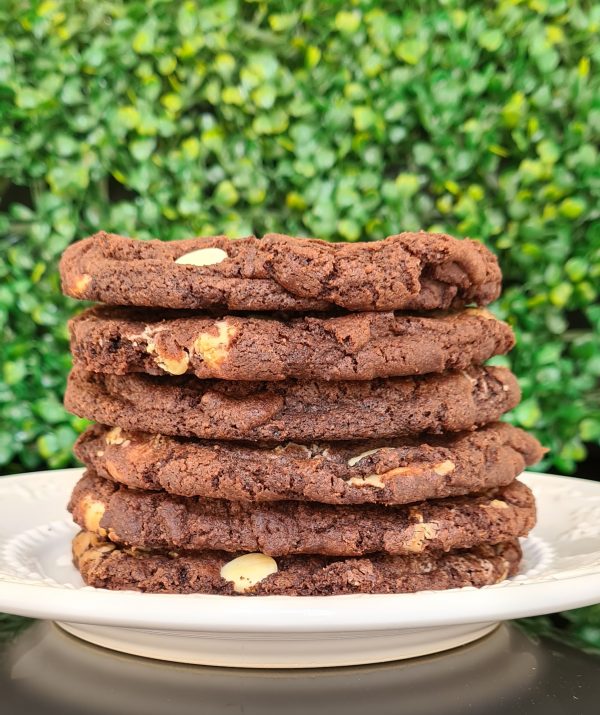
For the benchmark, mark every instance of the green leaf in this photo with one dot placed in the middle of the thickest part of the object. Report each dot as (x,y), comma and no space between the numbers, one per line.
(572,207)
(528,413)
(561,294)
(142,149)
(364,118)
(348,21)
(491,40)
(264,96)
(226,194)
(411,51)
(144,38)
(233,95)
(589,429)
(349,229)
(408,184)
(29,98)
(7,448)
(283,21)
(14,371)
(50,410)
(68,179)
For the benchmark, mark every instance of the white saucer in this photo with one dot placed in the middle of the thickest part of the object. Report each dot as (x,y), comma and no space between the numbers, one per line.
(561,570)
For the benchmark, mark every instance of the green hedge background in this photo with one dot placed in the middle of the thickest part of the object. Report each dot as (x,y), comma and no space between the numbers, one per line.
(342,120)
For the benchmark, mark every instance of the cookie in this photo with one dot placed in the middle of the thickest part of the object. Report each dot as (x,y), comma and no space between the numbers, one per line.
(293,410)
(157,520)
(359,346)
(411,271)
(396,471)
(105,565)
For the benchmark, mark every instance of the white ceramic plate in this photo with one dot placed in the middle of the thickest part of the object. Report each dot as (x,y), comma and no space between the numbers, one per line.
(561,570)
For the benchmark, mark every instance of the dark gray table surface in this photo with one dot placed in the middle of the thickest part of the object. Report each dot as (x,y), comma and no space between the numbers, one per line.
(44,671)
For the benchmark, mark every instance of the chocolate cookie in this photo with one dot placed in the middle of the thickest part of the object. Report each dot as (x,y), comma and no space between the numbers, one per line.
(292,410)
(359,346)
(380,471)
(411,271)
(105,565)
(157,520)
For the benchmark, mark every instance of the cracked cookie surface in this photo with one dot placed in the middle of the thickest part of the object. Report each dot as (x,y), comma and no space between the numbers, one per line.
(397,471)
(410,271)
(105,565)
(294,410)
(157,520)
(358,346)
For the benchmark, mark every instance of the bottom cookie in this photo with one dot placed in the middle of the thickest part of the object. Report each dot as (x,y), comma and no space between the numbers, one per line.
(104,565)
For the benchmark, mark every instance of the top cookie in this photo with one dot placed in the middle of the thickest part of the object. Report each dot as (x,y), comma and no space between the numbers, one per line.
(410,271)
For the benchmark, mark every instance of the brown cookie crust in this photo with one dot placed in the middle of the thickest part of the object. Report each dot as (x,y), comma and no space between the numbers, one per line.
(104,565)
(293,410)
(157,520)
(359,346)
(410,271)
(399,472)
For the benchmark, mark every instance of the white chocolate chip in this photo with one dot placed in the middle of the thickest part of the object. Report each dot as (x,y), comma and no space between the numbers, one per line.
(114,436)
(248,570)
(81,284)
(498,504)
(411,471)
(472,380)
(421,533)
(174,366)
(373,480)
(81,543)
(92,514)
(444,468)
(294,447)
(505,571)
(202,257)
(137,551)
(213,349)
(106,548)
(355,460)
(415,514)
(112,535)
(481,313)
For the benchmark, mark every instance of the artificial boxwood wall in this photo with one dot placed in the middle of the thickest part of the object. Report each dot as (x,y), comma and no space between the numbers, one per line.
(343,120)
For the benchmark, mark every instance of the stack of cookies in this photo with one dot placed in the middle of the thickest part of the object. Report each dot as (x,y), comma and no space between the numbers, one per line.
(290,416)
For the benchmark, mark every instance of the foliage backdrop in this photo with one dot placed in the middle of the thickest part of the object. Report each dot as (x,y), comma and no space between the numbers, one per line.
(342,120)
